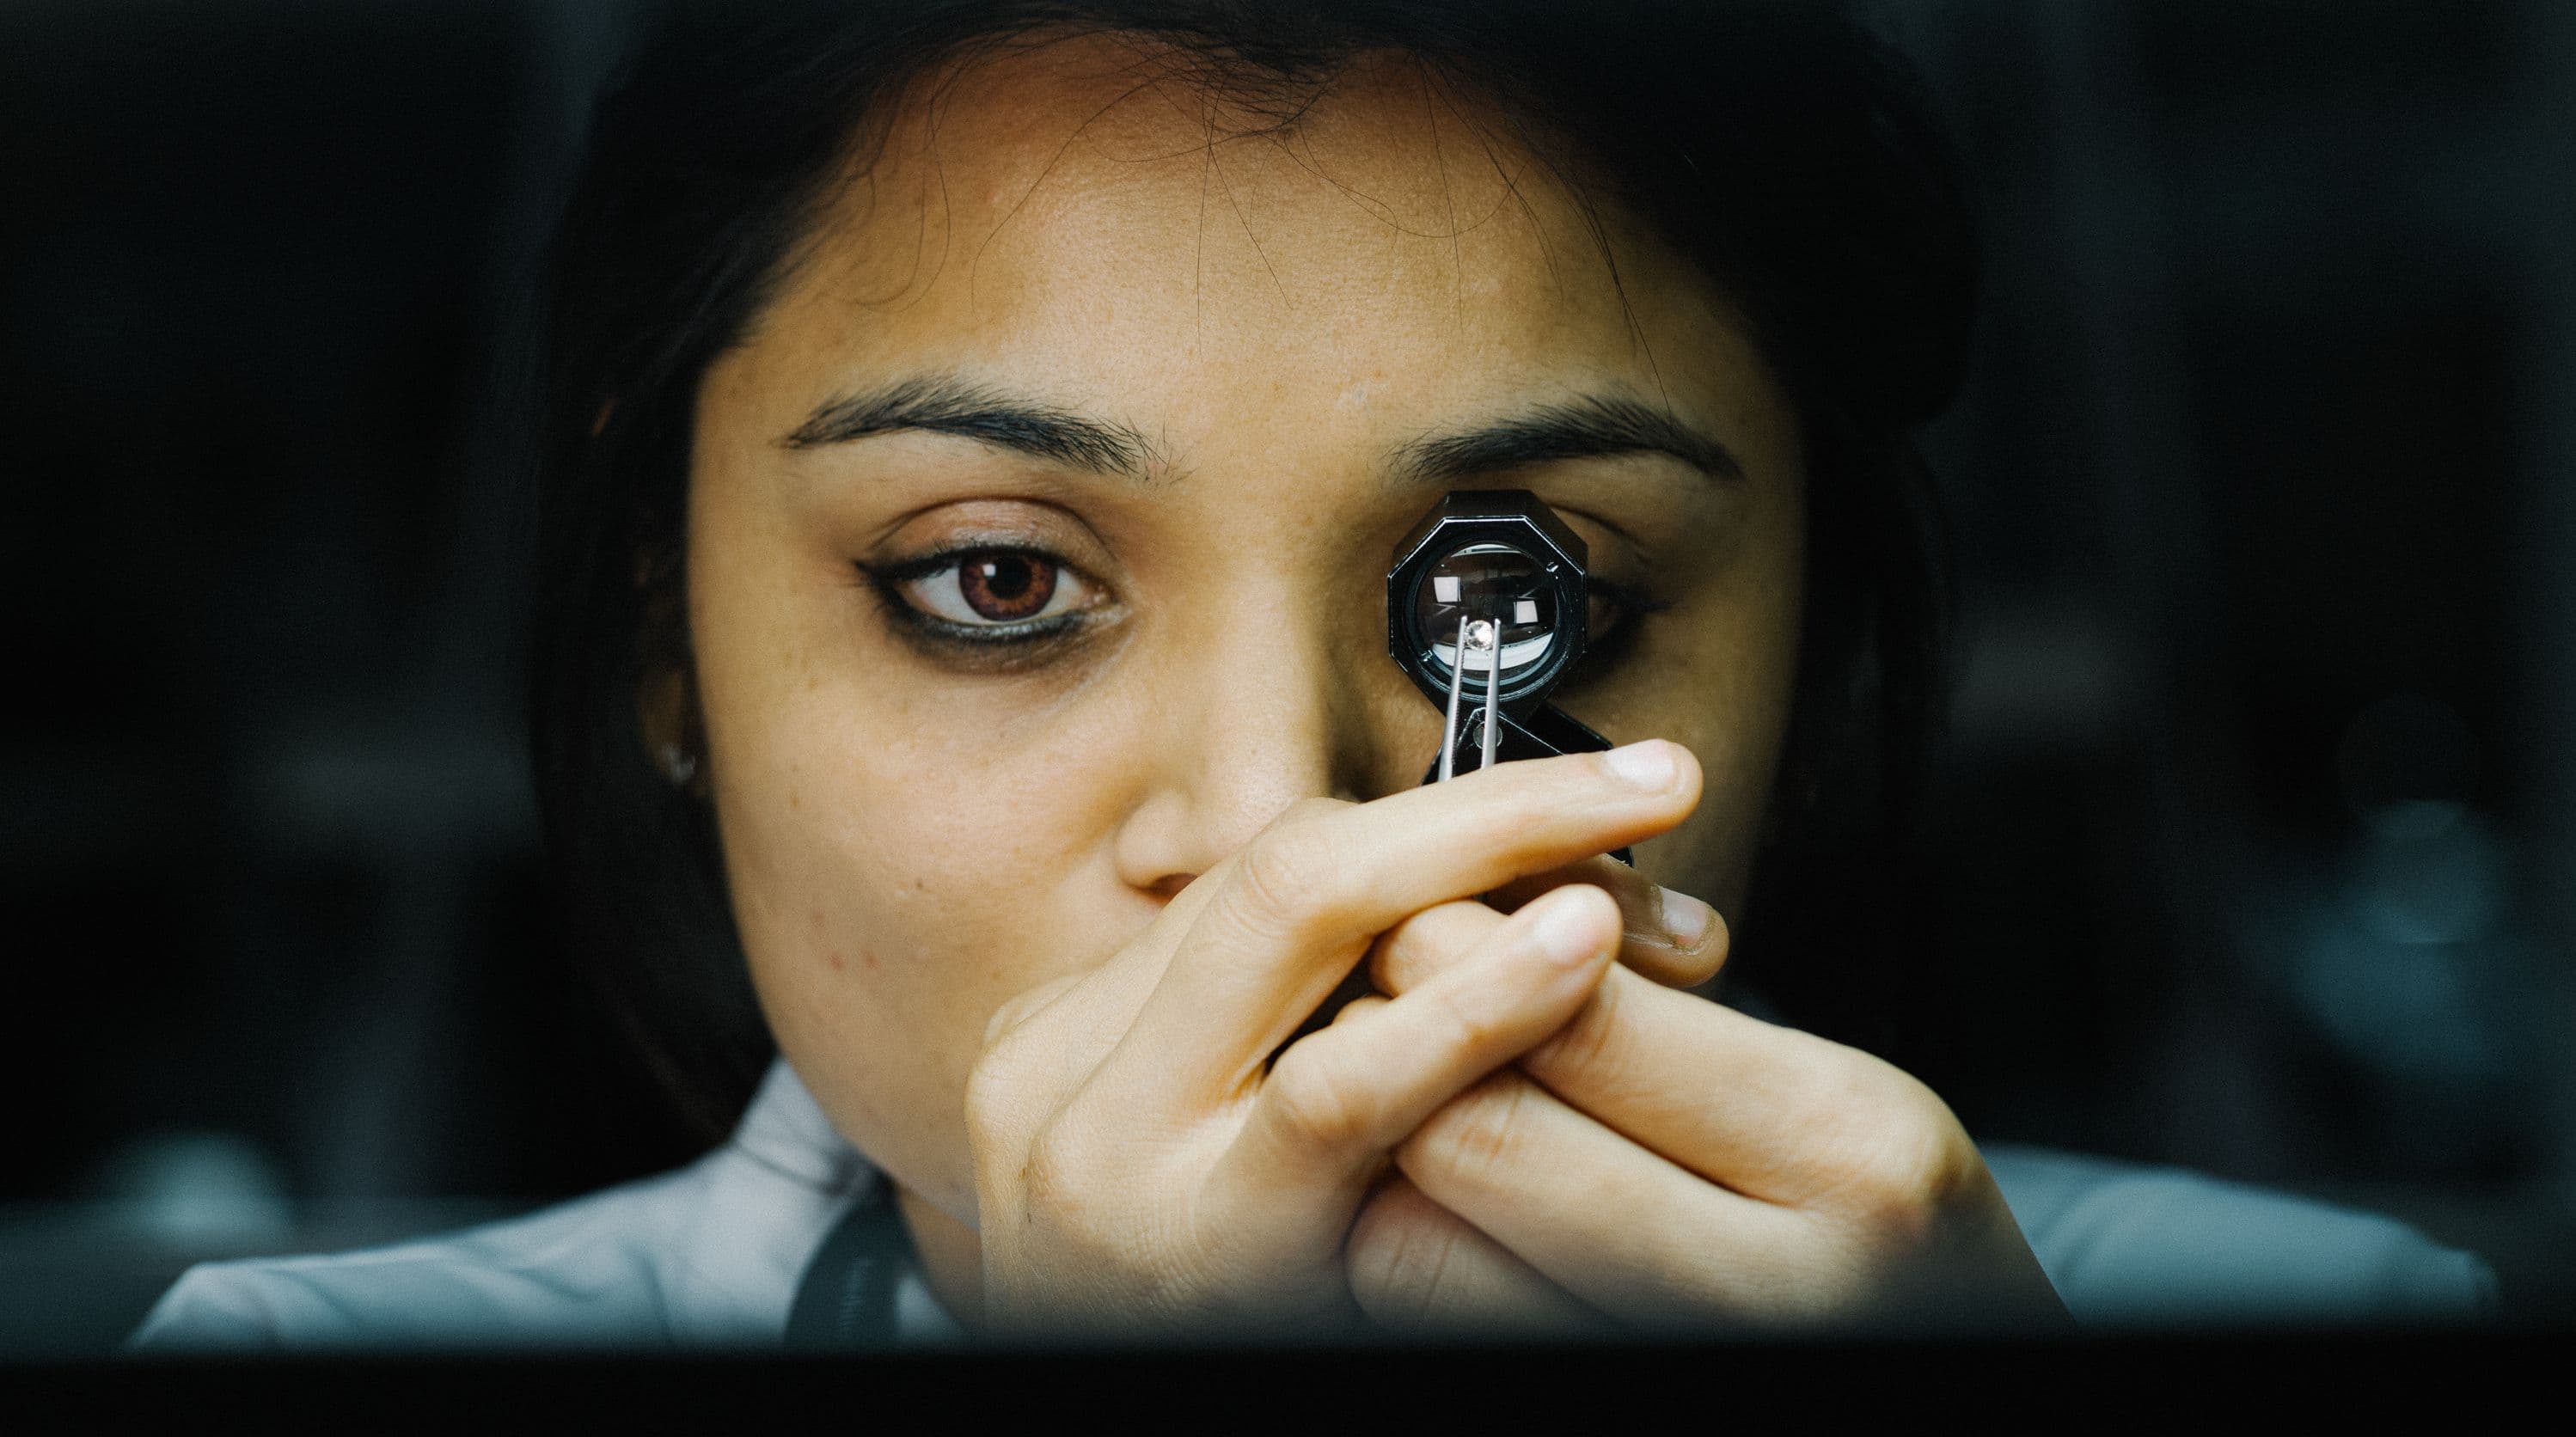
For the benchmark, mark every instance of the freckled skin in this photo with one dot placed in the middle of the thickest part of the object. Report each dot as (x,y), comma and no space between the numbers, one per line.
(1273,314)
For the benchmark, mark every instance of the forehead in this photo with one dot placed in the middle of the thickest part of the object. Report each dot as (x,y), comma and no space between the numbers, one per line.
(1089,207)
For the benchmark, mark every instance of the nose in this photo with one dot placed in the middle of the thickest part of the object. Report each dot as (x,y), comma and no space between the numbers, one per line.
(1273,702)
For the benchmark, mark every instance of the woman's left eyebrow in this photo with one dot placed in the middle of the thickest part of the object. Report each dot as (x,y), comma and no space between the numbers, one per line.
(1586,428)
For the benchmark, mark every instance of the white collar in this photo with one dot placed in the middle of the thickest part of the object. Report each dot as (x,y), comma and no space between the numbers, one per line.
(787,1132)
(784,1129)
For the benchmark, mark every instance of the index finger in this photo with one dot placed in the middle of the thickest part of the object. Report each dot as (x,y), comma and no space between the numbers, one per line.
(1295,909)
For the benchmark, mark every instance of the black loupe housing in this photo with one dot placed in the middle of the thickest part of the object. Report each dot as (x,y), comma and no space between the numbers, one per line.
(1498,556)
(1489,553)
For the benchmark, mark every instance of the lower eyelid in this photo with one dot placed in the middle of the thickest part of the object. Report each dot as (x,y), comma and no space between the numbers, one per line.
(979,651)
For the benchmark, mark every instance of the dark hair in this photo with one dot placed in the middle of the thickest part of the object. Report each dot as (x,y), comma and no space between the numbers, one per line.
(1773,143)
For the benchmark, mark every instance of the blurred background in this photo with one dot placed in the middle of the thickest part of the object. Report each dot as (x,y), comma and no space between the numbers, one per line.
(2255,845)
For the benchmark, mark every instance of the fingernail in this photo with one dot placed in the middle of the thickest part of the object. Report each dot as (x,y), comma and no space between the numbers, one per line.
(1686,919)
(1648,765)
(1566,933)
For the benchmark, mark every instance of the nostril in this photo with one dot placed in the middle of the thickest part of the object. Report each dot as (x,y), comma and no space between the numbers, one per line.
(1169,886)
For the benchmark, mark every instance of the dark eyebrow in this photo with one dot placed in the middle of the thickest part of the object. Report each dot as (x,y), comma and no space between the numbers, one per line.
(946,405)
(1582,429)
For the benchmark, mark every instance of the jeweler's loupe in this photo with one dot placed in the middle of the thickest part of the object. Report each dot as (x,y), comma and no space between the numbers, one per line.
(1486,607)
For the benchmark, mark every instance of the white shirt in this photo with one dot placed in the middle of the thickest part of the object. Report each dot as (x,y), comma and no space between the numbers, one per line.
(711,1255)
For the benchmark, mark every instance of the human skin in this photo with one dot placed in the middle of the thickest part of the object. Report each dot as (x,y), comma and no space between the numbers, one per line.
(1030,921)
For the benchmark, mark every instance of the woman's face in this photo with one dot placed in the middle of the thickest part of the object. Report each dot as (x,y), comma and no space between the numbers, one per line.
(1190,379)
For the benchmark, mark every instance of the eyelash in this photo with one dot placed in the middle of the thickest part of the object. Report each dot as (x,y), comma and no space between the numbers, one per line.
(1027,641)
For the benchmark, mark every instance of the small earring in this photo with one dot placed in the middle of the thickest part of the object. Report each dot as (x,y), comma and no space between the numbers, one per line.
(678,766)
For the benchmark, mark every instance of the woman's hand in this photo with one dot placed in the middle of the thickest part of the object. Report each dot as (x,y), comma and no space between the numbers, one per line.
(1141,1162)
(1662,1160)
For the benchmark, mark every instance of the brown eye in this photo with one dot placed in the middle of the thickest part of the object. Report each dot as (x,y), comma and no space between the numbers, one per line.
(1006,587)
(990,588)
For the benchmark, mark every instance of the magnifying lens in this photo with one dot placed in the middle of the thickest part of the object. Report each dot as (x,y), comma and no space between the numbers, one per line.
(1486,609)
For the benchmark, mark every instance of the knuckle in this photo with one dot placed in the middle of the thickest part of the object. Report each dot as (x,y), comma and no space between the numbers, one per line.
(1283,876)
(1587,1046)
(1317,1101)
(1007,1019)
(1397,1258)
(1470,1018)
(1848,1091)
(1053,1178)
(1472,1139)
(1933,1164)
(1910,1164)
(993,1085)
(1885,1191)
(987,1081)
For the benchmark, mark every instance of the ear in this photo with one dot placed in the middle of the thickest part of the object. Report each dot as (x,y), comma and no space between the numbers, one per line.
(666,688)
(666,708)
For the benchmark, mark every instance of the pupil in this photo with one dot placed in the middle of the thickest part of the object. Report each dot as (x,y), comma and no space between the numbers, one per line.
(1006,586)
(1006,578)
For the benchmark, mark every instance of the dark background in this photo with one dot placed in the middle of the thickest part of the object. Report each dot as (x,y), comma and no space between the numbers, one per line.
(2256,842)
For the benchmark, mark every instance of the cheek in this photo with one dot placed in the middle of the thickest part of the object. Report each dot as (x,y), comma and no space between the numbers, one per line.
(892,889)
(894,869)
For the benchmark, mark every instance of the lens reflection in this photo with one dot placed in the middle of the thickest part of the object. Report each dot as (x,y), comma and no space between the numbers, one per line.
(1487,581)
